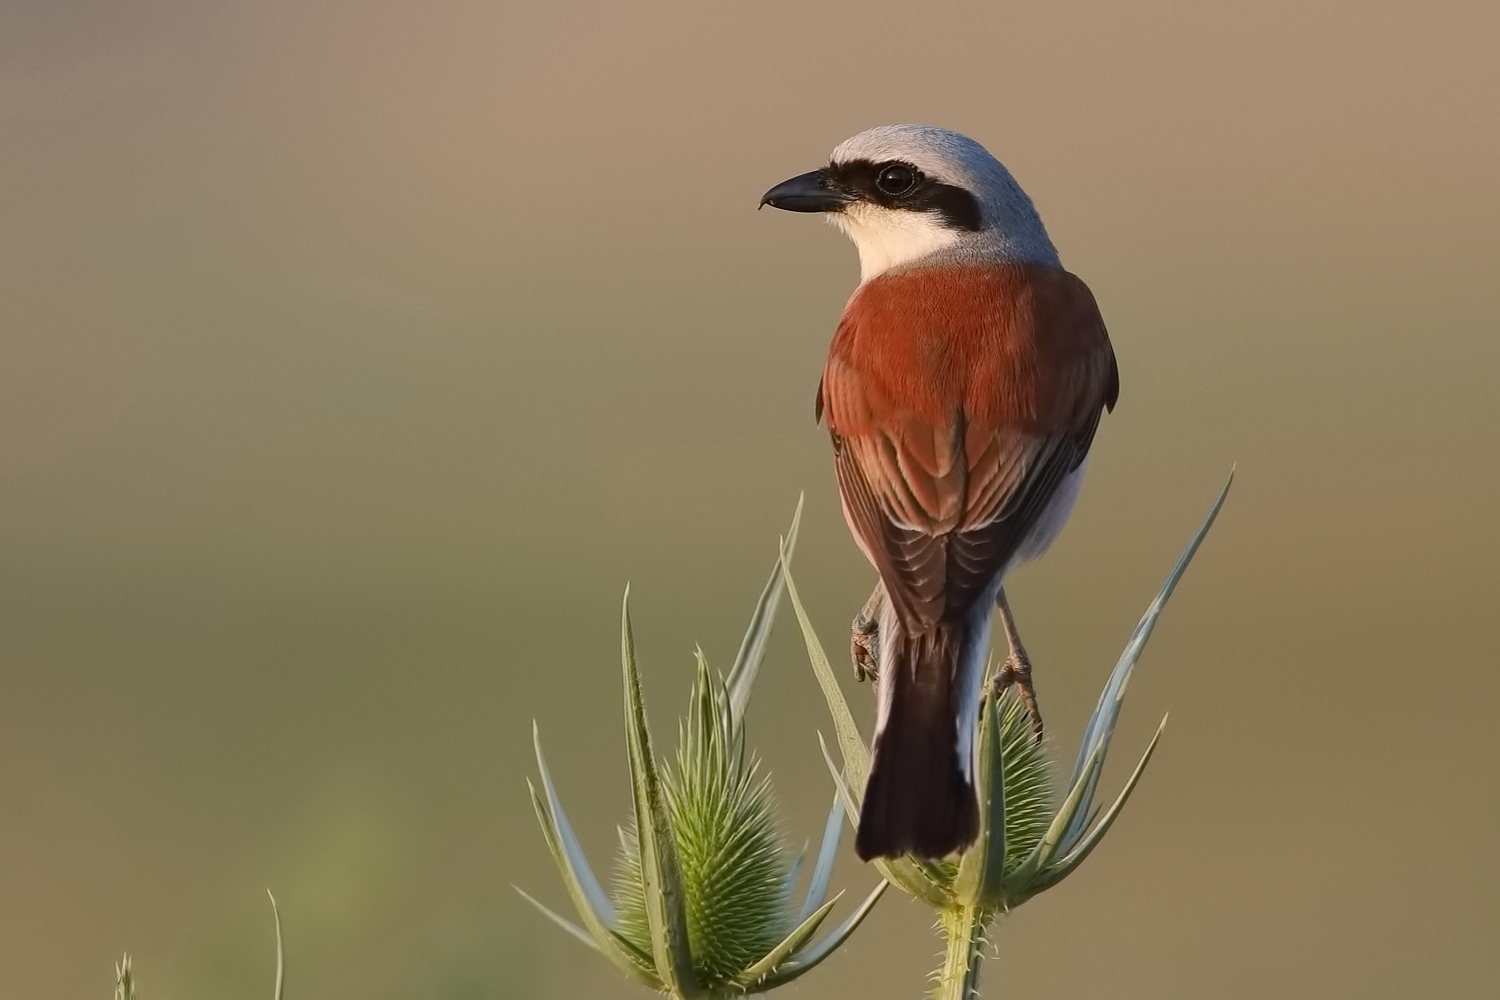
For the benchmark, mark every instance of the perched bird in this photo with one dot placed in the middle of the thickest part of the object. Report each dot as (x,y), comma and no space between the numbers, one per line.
(962,391)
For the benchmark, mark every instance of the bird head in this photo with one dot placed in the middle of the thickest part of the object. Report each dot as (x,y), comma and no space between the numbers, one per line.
(913,194)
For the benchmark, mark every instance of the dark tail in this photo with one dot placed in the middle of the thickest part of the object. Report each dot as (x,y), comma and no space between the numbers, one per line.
(917,800)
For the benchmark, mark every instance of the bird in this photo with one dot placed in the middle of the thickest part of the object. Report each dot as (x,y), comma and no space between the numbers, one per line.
(963,387)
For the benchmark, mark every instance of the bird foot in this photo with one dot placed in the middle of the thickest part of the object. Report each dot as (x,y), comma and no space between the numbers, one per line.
(864,647)
(1017,670)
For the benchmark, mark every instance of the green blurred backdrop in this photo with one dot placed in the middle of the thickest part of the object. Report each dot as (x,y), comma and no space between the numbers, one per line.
(356,354)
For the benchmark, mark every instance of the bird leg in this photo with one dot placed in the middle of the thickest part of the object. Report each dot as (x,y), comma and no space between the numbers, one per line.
(1017,667)
(864,638)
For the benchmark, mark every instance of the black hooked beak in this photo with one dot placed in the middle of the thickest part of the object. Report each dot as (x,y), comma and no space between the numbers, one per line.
(809,192)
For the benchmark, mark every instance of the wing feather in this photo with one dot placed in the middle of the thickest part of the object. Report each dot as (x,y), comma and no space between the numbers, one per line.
(958,399)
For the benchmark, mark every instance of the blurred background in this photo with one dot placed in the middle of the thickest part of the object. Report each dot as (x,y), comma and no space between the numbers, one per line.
(357,354)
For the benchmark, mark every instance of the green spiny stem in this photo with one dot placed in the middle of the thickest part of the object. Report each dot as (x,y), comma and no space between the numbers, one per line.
(965,931)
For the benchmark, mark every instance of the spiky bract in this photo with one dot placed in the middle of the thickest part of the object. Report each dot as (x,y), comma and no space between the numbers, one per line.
(735,868)
(702,907)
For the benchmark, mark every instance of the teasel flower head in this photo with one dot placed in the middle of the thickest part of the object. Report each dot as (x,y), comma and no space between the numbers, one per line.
(1034,831)
(704,902)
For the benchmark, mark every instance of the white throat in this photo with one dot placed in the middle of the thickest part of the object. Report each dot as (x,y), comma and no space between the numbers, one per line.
(887,239)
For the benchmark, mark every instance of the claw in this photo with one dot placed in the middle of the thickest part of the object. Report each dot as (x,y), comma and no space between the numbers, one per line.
(1017,670)
(1017,667)
(864,637)
(864,646)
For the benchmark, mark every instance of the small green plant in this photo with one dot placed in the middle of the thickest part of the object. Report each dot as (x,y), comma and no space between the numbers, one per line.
(1031,837)
(703,903)
(125,980)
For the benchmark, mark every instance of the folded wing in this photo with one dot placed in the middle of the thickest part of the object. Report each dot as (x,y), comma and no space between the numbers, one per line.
(958,398)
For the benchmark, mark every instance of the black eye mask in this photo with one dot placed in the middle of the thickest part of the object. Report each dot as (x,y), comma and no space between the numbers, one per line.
(898,185)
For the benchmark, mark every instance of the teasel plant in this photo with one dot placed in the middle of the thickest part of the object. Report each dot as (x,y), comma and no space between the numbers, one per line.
(703,904)
(1033,833)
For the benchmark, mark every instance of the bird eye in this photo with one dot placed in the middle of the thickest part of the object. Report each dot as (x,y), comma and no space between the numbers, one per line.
(897,178)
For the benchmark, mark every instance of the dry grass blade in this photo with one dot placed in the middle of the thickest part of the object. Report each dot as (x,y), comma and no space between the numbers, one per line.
(280,959)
